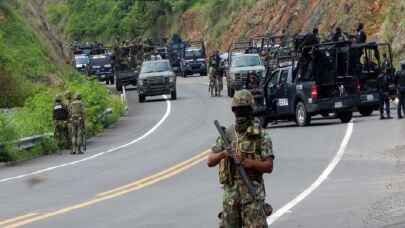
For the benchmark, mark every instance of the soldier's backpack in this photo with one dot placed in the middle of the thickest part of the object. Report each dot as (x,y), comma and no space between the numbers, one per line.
(76,109)
(60,112)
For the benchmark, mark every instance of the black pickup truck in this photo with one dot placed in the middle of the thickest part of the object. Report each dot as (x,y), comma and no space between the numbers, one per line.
(291,94)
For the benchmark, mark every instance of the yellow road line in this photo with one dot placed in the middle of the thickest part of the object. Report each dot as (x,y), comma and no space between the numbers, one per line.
(5,222)
(157,175)
(170,172)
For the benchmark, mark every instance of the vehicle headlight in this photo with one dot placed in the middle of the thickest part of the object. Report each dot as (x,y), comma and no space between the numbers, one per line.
(172,79)
(107,66)
(95,67)
(79,66)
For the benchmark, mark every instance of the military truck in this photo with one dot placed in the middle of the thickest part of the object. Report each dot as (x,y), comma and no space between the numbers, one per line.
(175,50)
(366,63)
(193,59)
(241,63)
(301,88)
(127,58)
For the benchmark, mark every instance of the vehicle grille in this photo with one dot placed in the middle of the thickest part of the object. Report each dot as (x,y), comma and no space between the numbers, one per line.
(241,78)
(156,80)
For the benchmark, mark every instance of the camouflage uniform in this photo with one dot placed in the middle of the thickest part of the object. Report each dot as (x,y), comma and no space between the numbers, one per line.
(240,209)
(67,134)
(76,111)
(60,118)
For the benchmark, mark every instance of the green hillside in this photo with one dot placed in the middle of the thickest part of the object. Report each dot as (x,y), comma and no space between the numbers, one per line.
(29,81)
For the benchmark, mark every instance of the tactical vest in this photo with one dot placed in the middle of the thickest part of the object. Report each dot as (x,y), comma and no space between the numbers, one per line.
(248,145)
(60,112)
(76,110)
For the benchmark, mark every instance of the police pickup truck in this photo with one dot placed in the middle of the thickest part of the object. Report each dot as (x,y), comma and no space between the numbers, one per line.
(292,94)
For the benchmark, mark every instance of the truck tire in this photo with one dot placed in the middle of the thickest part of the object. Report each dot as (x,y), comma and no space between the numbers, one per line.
(118,85)
(141,98)
(173,95)
(345,117)
(366,111)
(302,117)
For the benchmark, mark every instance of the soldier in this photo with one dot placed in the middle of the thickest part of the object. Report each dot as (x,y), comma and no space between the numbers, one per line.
(383,90)
(254,151)
(77,119)
(67,101)
(60,118)
(361,36)
(337,35)
(400,81)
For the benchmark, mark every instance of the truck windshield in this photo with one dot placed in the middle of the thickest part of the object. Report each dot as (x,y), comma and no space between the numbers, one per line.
(82,60)
(151,67)
(99,60)
(245,61)
(189,54)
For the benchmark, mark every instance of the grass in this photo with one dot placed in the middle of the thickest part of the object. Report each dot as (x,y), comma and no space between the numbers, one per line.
(25,74)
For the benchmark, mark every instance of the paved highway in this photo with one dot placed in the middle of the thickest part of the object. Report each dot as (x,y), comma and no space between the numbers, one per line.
(149,171)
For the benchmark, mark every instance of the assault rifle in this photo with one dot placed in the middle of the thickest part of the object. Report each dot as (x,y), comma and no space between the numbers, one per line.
(238,165)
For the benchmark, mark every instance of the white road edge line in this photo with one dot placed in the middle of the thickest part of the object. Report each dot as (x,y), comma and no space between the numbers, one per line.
(332,165)
(157,125)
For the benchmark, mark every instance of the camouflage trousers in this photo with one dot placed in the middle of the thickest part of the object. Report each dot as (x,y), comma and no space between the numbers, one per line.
(240,210)
(61,133)
(77,136)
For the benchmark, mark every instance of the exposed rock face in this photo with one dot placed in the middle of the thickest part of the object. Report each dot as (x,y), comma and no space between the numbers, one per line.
(384,20)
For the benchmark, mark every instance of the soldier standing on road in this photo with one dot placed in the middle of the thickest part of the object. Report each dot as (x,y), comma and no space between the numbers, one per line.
(254,150)
(60,119)
(383,90)
(68,135)
(400,78)
(77,116)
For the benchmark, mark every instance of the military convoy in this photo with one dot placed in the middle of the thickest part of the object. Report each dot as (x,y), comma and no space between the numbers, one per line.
(331,79)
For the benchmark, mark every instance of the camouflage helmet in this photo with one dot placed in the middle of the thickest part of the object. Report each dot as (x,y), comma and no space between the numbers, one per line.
(243,98)
(58,98)
(68,95)
(78,96)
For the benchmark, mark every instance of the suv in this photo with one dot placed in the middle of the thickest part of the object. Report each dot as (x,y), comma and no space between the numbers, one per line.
(322,89)
(101,67)
(156,78)
(193,61)
(241,65)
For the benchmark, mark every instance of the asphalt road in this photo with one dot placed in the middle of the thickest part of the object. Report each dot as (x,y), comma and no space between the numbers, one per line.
(362,186)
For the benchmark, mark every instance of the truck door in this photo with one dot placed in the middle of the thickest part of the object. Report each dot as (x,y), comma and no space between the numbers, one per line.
(283,91)
(271,91)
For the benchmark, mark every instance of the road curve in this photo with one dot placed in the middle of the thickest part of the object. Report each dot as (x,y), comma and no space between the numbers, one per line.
(188,195)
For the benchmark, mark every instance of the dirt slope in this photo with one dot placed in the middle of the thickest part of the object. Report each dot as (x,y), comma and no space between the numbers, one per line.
(384,20)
